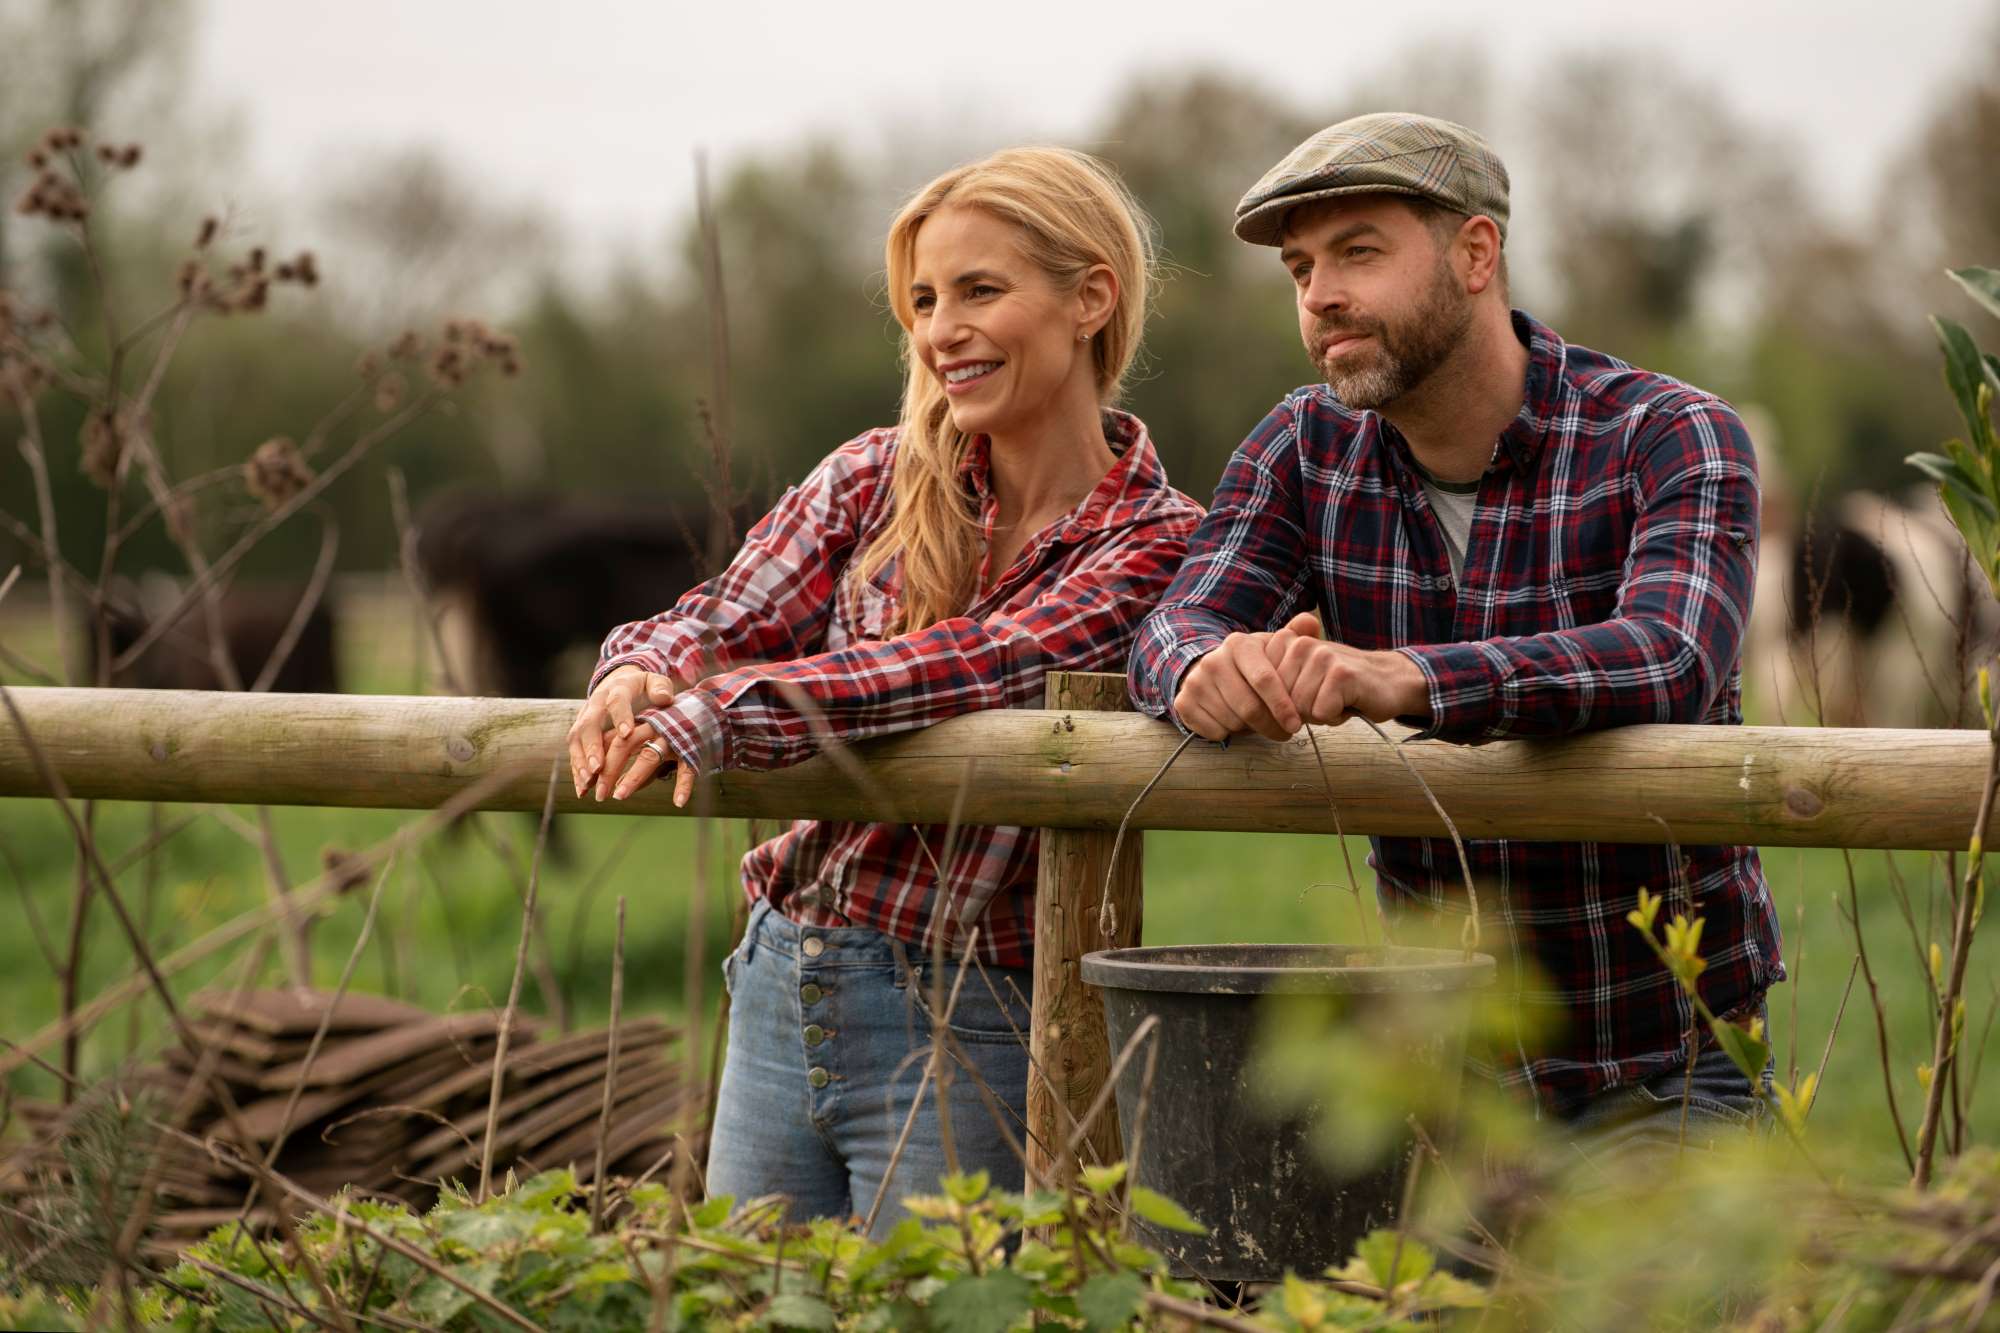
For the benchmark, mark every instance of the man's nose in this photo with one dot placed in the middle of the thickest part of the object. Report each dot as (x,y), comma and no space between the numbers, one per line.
(1324,293)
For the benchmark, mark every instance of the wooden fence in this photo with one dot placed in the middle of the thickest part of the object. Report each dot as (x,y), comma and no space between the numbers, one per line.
(1071,769)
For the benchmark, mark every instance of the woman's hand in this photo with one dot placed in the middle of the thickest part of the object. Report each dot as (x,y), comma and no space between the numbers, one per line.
(635,754)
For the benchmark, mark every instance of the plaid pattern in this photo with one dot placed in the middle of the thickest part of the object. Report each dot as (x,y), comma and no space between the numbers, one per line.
(1607,582)
(785,629)
(1386,152)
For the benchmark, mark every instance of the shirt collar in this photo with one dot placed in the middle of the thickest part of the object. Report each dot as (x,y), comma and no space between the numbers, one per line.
(1542,400)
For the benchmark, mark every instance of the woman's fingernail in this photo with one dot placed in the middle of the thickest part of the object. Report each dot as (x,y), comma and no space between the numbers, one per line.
(624,728)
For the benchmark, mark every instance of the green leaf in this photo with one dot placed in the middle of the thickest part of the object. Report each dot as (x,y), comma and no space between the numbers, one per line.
(1981,284)
(967,1189)
(1101,1180)
(1949,473)
(1164,1212)
(985,1304)
(1748,1053)
(712,1212)
(1109,1300)
(1378,1250)
(797,1310)
(1442,1291)
(1963,371)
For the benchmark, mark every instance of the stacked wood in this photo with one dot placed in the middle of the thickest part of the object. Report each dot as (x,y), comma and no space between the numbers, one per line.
(393,1104)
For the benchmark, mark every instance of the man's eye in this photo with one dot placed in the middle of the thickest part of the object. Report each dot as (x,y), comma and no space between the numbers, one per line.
(1360,250)
(1301,273)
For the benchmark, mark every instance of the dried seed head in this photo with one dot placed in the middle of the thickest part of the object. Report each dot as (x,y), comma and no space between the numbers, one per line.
(307,268)
(129,156)
(256,259)
(447,368)
(284,272)
(276,472)
(103,447)
(368,366)
(407,347)
(192,279)
(344,870)
(37,159)
(389,391)
(107,154)
(209,226)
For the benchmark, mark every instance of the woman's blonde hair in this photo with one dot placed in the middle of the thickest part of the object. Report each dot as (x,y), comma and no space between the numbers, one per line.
(1073,213)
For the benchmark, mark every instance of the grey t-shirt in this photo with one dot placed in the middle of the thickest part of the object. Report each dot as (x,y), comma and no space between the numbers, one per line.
(1453,503)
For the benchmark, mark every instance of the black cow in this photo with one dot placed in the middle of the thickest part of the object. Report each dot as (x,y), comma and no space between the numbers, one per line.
(254,619)
(522,580)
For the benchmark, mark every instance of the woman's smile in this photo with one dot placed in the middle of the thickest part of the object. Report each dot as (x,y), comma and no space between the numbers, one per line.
(965,376)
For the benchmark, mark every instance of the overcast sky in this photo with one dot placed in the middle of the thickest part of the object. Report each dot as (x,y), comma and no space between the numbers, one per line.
(592,108)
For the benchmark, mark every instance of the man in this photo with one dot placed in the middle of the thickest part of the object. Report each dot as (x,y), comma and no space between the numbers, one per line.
(1503,536)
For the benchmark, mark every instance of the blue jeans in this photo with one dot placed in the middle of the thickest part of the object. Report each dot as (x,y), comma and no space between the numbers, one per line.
(829,1033)
(1646,1116)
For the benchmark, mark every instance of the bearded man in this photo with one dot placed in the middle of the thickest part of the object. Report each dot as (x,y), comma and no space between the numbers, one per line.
(1502,535)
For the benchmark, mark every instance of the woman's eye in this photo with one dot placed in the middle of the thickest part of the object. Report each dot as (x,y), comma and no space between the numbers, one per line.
(923,304)
(983,289)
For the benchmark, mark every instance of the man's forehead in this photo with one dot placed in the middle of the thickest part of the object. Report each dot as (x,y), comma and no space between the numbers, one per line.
(1316,216)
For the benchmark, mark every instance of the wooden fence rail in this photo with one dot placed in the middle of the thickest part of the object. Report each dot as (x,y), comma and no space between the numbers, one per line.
(1772,786)
(1070,767)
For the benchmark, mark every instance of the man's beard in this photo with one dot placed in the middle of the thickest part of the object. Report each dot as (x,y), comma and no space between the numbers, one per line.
(1401,358)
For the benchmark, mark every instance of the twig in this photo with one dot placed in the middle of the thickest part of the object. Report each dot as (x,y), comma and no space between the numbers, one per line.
(610,1069)
(325,1025)
(916,1102)
(281,653)
(514,989)
(1819,1075)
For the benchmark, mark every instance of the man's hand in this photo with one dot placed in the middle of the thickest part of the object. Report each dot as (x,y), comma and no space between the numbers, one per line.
(1276,682)
(1235,688)
(1331,682)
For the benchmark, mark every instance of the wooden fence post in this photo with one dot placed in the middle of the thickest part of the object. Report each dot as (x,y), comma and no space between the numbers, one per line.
(1071,1053)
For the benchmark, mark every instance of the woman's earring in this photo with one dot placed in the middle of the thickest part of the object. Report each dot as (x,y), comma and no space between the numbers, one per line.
(1083,337)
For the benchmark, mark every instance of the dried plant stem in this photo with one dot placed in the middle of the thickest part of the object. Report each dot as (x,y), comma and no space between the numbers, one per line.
(284,1133)
(610,1069)
(514,989)
(938,1020)
(1944,1059)
(35,455)
(1853,915)
(281,653)
(1819,1075)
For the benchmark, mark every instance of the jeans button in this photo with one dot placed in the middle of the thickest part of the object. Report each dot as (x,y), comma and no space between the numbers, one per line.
(818,1077)
(810,993)
(815,1034)
(813,945)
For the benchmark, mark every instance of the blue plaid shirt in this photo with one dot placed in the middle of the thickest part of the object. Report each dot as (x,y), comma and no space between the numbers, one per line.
(1607,581)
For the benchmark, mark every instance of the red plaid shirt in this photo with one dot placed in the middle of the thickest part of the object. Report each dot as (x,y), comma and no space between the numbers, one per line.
(786,613)
(1607,581)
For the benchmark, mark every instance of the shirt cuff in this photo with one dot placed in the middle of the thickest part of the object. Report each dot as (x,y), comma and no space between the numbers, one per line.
(694,729)
(1172,668)
(1464,681)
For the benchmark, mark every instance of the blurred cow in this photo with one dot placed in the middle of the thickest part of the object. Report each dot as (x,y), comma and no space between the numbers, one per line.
(519,582)
(254,618)
(1867,612)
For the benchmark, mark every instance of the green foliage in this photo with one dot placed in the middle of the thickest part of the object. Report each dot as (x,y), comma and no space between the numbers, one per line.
(1967,473)
(969,1260)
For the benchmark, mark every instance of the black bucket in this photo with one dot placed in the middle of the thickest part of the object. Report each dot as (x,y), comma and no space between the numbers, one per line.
(1210,1143)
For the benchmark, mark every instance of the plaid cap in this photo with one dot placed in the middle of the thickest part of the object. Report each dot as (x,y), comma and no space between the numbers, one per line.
(1385,152)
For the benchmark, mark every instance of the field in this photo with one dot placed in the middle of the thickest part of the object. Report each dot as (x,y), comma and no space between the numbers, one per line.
(450,915)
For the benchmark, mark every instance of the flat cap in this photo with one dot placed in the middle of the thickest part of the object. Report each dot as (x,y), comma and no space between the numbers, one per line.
(1385,152)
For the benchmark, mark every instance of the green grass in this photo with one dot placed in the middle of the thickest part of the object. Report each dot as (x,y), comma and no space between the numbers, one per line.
(450,919)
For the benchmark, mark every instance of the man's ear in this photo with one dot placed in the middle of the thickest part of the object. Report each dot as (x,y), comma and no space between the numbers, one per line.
(1478,246)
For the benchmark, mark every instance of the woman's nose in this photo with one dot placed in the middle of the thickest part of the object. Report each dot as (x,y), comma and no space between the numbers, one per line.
(946,329)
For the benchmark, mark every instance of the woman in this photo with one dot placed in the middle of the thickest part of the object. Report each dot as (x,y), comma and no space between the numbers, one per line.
(1011,524)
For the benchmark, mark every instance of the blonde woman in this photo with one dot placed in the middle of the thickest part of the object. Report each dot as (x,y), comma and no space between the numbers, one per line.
(1011,524)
